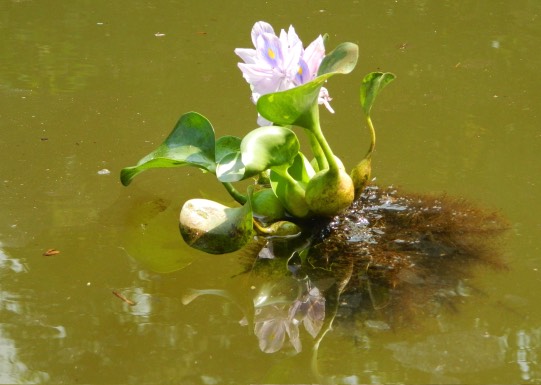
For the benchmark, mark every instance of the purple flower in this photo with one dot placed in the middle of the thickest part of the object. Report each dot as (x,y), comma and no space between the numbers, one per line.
(279,63)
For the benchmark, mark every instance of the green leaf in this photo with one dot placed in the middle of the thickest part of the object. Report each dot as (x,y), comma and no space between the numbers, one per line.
(290,193)
(288,184)
(292,107)
(191,143)
(214,228)
(227,145)
(260,150)
(295,106)
(231,169)
(268,146)
(301,170)
(371,85)
(342,60)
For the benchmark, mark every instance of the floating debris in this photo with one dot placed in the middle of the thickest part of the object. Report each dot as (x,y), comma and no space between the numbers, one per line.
(104,171)
(123,298)
(51,252)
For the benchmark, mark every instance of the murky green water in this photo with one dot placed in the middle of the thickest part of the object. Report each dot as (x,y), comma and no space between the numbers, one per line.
(87,86)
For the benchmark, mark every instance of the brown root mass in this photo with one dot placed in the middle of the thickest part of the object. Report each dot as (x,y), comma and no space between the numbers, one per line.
(410,253)
(392,256)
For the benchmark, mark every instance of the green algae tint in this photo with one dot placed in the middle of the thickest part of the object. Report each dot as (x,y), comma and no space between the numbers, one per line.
(100,85)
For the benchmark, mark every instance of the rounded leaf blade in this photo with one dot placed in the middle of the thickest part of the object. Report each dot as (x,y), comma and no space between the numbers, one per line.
(191,143)
(371,85)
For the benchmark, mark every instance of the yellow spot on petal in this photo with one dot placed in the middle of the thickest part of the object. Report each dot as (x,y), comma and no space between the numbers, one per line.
(271,53)
(300,70)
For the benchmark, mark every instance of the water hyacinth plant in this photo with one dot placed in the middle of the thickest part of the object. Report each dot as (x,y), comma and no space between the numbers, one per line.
(287,84)
(327,240)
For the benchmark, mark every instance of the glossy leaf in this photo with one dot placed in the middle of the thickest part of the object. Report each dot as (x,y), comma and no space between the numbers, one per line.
(371,85)
(266,206)
(214,228)
(342,59)
(260,150)
(301,170)
(294,106)
(230,168)
(191,143)
(227,145)
(288,184)
(269,146)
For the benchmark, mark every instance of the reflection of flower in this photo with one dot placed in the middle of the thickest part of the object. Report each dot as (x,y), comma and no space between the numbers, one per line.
(311,310)
(280,63)
(275,317)
(271,325)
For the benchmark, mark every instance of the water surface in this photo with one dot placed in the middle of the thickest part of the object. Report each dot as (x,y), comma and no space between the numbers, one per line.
(88,86)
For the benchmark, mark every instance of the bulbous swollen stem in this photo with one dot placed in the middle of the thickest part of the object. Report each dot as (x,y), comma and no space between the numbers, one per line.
(315,129)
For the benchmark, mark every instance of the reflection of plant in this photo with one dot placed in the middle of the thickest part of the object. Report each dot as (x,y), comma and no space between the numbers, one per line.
(274,318)
(287,84)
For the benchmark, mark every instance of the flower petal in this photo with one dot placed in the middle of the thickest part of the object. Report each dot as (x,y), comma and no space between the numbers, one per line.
(292,38)
(269,50)
(292,329)
(271,335)
(313,55)
(303,73)
(324,99)
(264,80)
(259,28)
(247,54)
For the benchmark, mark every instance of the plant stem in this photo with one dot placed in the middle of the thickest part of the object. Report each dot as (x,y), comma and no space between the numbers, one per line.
(315,129)
(372,137)
(322,163)
(242,199)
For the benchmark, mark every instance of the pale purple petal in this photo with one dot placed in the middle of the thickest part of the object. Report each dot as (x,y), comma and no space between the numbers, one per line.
(255,74)
(280,63)
(303,73)
(271,335)
(313,55)
(292,329)
(264,80)
(262,122)
(315,315)
(259,28)
(292,49)
(247,54)
(292,38)
(269,49)
(324,99)
(291,62)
